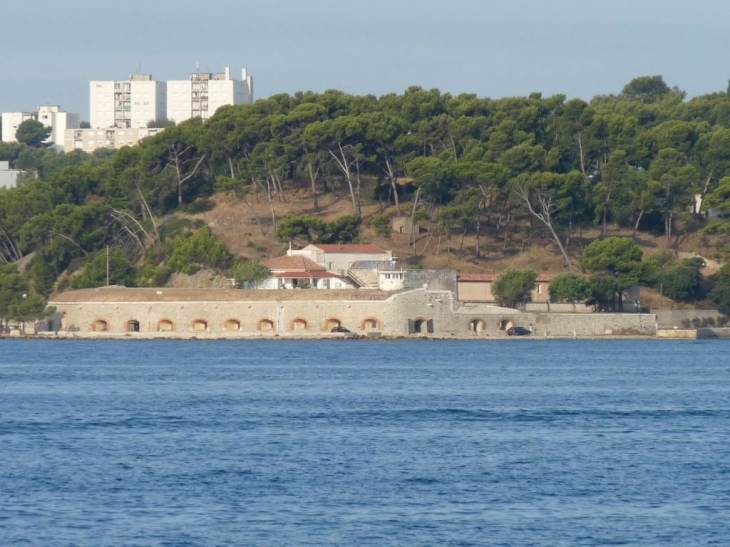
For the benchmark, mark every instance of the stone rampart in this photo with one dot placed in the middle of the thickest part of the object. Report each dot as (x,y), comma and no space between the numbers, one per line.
(416,312)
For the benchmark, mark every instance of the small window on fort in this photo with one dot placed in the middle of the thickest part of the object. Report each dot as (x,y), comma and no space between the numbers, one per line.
(100,325)
(476,325)
(299,324)
(265,324)
(165,325)
(370,324)
(132,326)
(233,324)
(200,325)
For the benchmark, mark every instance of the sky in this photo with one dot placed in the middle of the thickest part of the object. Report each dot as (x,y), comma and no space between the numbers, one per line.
(580,48)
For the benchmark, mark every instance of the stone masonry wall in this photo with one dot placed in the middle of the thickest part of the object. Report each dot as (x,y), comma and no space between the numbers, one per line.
(395,316)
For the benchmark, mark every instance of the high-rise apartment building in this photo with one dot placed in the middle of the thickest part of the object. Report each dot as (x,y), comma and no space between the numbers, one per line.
(49,115)
(127,104)
(203,93)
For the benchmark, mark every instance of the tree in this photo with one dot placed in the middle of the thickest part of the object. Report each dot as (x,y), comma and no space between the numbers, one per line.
(250,273)
(603,289)
(30,308)
(681,282)
(721,292)
(32,133)
(160,123)
(646,89)
(617,257)
(121,271)
(569,287)
(514,287)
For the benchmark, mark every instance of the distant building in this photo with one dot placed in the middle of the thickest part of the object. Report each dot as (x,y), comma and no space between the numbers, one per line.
(88,140)
(339,258)
(49,115)
(298,272)
(123,105)
(126,104)
(8,177)
(204,93)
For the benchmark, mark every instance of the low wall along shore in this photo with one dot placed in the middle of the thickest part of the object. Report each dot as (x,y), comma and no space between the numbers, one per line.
(220,313)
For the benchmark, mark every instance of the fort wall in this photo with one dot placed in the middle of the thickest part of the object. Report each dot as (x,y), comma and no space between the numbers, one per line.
(413,312)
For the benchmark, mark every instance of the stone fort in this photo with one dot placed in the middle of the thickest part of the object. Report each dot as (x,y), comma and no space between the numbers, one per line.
(221,313)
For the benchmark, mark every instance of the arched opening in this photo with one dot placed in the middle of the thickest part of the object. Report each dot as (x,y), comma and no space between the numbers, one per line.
(332,323)
(232,324)
(477,325)
(165,325)
(132,325)
(200,325)
(370,324)
(265,325)
(505,324)
(420,326)
(100,325)
(299,324)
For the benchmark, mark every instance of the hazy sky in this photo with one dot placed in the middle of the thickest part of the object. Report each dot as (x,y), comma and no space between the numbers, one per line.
(492,48)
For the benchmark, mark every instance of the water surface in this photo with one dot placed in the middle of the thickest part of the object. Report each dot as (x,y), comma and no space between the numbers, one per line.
(521,442)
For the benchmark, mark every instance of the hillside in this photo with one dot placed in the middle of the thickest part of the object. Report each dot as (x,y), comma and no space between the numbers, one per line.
(491,183)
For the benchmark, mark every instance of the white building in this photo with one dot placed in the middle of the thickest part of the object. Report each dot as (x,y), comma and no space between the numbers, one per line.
(49,115)
(89,140)
(203,93)
(340,257)
(126,104)
(8,176)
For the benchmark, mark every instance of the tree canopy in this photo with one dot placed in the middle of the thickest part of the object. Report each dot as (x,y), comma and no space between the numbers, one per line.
(509,171)
(32,133)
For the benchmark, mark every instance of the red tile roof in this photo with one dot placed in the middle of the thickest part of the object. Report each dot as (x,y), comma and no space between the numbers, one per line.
(350,248)
(293,263)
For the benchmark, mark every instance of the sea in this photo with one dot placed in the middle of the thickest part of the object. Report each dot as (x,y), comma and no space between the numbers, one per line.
(364,442)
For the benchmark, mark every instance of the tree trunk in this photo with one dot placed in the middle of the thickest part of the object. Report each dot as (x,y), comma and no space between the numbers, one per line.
(313,179)
(391,177)
(636,225)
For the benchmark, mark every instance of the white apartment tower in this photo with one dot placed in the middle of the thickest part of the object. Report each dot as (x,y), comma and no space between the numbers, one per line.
(127,104)
(49,115)
(202,94)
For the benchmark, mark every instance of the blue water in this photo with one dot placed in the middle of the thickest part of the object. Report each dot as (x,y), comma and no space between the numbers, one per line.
(359,443)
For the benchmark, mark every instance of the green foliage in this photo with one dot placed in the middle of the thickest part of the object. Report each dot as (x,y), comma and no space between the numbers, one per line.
(381,225)
(619,257)
(178,226)
(121,271)
(310,229)
(633,160)
(569,287)
(188,252)
(161,123)
(32,133)
(249,273)
(514,287)
(200,205)
(681,282)
(721,292)
(603,292)
(646,89)
(300,228)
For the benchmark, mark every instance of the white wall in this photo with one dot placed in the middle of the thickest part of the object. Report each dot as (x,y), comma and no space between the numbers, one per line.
(11,121)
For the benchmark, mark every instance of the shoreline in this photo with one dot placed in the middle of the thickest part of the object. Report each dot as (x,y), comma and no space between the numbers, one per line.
(315,337)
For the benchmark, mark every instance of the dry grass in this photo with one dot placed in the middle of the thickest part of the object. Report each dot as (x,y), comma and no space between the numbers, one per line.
(248,231)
